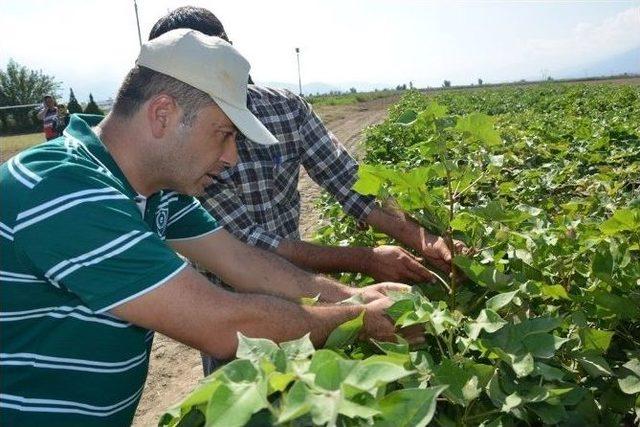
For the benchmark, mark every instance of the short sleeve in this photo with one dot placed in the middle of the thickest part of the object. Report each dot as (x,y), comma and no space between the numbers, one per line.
(86,237)
(189,220)
(223,201)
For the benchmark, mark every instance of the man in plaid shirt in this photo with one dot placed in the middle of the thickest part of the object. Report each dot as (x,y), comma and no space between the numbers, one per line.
(258,201)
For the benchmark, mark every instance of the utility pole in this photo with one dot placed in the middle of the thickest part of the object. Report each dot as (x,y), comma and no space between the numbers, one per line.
(299,78)
(135,6)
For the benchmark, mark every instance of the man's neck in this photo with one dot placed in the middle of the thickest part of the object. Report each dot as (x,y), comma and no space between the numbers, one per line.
(127,144)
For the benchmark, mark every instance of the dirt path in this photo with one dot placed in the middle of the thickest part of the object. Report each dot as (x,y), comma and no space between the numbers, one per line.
(175,368)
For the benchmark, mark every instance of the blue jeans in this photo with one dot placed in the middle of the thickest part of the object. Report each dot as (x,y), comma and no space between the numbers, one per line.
(210,364)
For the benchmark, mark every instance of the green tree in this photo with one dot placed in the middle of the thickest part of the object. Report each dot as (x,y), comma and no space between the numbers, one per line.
(92,107)
(446,83)
(20,85)
(73,106)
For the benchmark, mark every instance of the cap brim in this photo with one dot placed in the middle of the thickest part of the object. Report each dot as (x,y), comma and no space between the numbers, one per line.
(247,123)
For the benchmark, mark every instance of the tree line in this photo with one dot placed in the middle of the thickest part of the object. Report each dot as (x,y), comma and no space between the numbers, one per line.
(21,86)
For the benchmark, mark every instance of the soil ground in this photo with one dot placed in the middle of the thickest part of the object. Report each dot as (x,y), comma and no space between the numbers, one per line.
(175,369)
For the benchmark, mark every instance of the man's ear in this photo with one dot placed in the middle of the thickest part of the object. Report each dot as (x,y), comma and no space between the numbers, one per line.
(162,114)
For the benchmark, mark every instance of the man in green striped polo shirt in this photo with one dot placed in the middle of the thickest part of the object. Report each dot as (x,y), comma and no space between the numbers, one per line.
(89,223)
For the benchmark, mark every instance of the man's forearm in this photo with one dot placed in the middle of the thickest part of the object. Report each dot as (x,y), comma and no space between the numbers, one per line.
(253,270)
(325,259)
(215,315)
(396,225)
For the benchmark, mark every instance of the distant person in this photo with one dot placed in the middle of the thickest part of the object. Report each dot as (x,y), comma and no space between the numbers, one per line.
(49,116)
(89,223)
(63,118)
(257,199)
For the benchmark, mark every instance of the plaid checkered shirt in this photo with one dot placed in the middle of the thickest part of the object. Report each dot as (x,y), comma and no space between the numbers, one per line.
(257,200)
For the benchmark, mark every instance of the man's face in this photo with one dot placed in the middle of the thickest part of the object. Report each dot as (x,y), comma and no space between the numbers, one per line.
(48,101)
(203,150)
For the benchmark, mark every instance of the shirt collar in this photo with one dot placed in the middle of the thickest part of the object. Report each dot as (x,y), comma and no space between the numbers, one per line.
(79,129)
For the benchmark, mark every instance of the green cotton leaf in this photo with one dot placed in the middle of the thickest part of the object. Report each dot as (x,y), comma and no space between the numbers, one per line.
(629,377)
(193,418)
(496,161)
(233,404)
(310,301)
(458,380)
(391,348)
(407,117)
(594,364)
(402,307)
(198,397)
(430,148)
(512,401)
(239,370)
(602,264)
(595,339)
(549,414)
(464,221)
(299,349)
(410,407)
(479,127)
(471,390)
(368,182)
(440,318)
(434,111)
(398,351)
(279,381)
(487,320)
(506,403)
(330,369)
(555,292)
(624,308)
(548,372)
(494,211)
(325,407)
(499,301)
(543,345)
(257,349)
(295,403)
(356,299)
(508,342)
(522,365)
(622,220)
(483,275)
(374,372)
(346,333)
(353,410)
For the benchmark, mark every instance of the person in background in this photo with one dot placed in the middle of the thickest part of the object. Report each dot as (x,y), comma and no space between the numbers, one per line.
(63,118)
(49,116)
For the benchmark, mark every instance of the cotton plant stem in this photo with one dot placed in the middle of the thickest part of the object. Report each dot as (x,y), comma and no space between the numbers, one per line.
(449,240)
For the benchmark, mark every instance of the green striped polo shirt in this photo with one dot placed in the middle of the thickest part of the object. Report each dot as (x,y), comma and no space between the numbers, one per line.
(77,240)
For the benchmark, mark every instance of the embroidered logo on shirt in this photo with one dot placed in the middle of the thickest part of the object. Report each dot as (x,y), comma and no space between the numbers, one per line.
(162,215)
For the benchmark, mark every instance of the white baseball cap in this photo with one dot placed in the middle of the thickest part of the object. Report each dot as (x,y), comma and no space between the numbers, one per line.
(212,65)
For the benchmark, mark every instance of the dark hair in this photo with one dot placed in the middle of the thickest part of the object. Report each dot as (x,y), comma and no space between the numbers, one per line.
(195,18)
(142,83)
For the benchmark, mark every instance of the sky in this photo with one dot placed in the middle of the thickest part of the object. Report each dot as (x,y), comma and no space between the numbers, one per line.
(90,45)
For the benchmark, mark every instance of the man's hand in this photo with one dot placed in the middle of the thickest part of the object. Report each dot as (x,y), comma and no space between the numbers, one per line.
(378,325)
(393,263)
(437,253)
(380,290)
